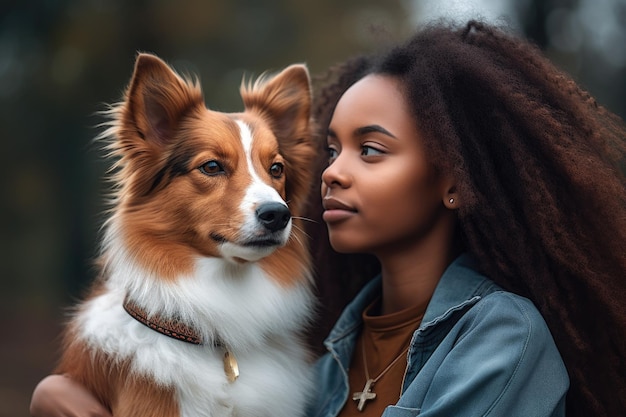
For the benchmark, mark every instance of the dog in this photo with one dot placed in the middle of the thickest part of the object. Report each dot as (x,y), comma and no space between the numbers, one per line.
(204,286)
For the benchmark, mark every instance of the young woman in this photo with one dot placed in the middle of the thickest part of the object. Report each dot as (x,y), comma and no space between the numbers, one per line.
(460,155)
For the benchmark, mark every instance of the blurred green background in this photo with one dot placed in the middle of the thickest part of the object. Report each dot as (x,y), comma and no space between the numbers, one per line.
(61,60)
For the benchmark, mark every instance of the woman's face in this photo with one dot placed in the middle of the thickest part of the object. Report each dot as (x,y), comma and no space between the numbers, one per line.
(380,192)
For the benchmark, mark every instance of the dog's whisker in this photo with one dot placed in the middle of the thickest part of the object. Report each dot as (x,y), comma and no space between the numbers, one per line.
(306,219)
(297,240)
(297,237)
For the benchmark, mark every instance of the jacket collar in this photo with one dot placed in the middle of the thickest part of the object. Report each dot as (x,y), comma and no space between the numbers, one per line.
(459,285)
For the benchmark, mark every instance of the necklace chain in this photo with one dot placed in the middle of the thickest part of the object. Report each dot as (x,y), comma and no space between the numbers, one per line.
(367,374)
(367,393)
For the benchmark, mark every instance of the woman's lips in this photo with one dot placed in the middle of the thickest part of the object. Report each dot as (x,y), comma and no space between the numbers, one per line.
(336,210)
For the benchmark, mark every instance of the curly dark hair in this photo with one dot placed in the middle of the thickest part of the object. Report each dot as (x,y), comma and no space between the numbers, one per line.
(542,192)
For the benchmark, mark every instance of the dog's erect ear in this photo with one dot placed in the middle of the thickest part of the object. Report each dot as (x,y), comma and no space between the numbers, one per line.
(284,100)
(157,98)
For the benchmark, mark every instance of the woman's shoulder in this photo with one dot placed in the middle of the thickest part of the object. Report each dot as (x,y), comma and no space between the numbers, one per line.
(497,359)
(508,303)
(509,315)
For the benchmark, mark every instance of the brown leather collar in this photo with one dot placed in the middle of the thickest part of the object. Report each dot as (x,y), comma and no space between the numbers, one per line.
(170,327)
(180,331)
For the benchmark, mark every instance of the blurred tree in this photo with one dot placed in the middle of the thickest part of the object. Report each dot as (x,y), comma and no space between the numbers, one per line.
(586,38)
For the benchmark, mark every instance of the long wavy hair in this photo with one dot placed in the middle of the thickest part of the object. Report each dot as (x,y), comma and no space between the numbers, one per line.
(541,188)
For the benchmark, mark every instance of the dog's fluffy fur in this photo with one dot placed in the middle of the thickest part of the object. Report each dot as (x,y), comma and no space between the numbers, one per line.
(184,241)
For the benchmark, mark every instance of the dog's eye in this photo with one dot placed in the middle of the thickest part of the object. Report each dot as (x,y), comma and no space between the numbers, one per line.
(211,168)
(276,170)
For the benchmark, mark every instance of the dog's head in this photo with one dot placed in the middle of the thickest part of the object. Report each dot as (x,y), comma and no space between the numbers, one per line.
(193,182)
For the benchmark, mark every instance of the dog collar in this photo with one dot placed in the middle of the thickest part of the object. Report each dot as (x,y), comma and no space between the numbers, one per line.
(169,327)
(180,331)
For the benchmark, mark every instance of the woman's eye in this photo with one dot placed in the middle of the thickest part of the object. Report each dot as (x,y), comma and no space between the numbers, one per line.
(277,169)
(332,154)
(211,168)
(370,151)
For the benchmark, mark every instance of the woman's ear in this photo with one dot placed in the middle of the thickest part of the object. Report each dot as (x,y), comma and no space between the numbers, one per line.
(450,195)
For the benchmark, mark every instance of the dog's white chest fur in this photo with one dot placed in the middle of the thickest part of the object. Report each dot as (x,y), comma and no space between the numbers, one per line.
(252,316)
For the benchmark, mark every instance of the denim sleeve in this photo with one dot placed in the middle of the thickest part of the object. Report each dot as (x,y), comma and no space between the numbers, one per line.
(501,361)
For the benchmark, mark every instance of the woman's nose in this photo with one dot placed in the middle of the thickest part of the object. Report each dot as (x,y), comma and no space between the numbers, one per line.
(336,174)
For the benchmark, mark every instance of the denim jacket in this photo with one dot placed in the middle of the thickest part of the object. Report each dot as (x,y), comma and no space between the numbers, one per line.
(479,351)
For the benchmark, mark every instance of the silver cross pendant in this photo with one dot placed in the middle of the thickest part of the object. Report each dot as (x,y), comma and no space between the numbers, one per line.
(365,395)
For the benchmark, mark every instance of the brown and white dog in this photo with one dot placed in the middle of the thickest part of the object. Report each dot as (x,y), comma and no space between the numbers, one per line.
(205,283)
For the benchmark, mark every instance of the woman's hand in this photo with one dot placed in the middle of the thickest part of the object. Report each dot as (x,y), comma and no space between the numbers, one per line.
(60,396)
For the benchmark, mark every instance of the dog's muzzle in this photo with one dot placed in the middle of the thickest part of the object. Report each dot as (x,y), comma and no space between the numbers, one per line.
(273,216)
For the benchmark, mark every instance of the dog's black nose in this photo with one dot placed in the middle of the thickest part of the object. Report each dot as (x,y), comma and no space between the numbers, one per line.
(274,216)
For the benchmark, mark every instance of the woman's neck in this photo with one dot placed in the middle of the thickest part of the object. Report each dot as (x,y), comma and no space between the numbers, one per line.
(410,276)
